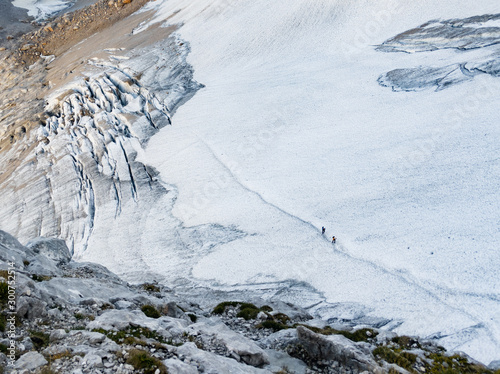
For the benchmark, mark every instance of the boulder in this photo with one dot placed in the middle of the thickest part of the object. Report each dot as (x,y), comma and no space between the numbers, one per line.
(54,313)
(279,360)
(90,337)
(56,349)
(74,290)
(294,312)
(30,361)
(280,338)
(262,316)
(89,301)
(215,364)
(92,360)
(336,348)
(30,307)
(57,334)
(247,350)
(11,243)
(179,367)
(118,320)
(121,319)
(27,343)
(172,310)
(124,304)
(11,250)
(41,265)
(494,365)
(53,248)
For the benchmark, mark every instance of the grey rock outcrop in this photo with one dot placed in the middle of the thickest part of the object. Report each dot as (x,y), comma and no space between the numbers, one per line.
(179,367)
(244,348)
(70,316)
(281,339)
(57,335)
(92,360)
(336,348)
(11,250)
(494,365)
(30,361)
(214,364)
(30,307)
(53,248)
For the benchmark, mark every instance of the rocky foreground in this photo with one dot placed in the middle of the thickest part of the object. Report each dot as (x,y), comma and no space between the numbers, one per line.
(61,316)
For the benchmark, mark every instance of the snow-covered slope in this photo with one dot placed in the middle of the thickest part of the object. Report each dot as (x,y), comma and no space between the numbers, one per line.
(292,132)
(293,129)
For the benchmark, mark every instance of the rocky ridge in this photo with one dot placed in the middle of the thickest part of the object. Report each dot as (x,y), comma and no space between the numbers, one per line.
(57,34)
(76,318)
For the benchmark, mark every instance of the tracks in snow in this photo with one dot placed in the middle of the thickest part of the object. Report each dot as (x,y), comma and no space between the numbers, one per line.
(431,290)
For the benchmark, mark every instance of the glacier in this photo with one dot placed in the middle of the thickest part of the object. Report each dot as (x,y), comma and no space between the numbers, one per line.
(210,159)
(292,132)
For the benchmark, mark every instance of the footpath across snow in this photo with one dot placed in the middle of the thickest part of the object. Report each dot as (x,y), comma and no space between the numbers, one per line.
(292,132)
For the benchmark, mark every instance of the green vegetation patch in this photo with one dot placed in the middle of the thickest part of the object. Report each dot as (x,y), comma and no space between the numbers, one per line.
(266,308)
(107,306)
(221,308)
(406,342)
(136,332)
(132,340)
(81,316)
(437,363)
(273,325)
(247,311)
(150,311)
(40,278)
(150,287)
(48,370)
(361,335)
(405,360)
(4,293)
(57,356)
(455,364)
(281,318)
(142,360)
(39,338)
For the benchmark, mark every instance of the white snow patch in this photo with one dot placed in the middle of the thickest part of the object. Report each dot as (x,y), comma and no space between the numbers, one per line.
(118,58)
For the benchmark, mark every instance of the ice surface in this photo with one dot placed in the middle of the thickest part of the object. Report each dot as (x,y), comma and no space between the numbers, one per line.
(292,132)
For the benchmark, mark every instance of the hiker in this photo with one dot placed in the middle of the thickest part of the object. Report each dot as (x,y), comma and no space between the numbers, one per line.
(334,239)
(323,230)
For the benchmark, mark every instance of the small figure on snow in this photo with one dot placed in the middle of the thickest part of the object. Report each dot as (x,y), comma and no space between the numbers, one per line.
(334,239)
(323,230)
